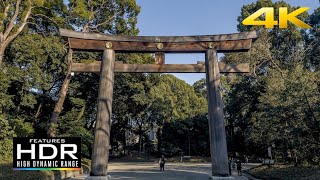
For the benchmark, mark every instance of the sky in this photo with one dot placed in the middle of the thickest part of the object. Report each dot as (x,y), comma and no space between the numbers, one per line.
(190,17)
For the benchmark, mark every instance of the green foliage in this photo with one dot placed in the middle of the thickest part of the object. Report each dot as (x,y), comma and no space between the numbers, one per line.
(200,87)
(22,128)
(70,126)
(288,113)
(286,172)
(5,98)
(283,41)
(6,134)
(175,99)
(278,103)
(178,134)
(11,128)
(115,16)
(313,39)
(8,173)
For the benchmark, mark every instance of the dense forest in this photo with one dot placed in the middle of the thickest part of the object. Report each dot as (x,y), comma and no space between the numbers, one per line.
(277,105)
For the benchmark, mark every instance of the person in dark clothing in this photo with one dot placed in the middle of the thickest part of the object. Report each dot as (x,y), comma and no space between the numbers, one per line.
(230,166)
(239,168)
(162,162)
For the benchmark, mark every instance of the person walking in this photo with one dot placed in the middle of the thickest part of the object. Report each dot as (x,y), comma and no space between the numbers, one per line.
(162,162)
(246,160)
(233,163)
(229,166)
(239,167)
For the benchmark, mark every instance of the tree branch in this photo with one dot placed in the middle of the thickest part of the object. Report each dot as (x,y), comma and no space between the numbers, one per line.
(6,12)
(105,22)
(23,24)
(42,7)
(86,26)
(12,20)
(46,17)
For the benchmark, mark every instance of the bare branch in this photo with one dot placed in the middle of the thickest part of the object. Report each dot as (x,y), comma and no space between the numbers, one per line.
(46,17)
(86,26)
(23,24)
(6,11)
(12,20)
(105,22)
(5,14)
(42,7)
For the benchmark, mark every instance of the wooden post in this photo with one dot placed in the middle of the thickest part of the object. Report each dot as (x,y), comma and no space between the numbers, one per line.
(218,144)
(100,154)
(159,58)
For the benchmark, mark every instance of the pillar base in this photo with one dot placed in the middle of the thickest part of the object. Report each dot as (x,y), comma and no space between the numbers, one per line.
(221,178)
(108,177)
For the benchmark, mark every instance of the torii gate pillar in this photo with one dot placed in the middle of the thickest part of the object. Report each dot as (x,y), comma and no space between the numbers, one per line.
(100,154)
(218,144)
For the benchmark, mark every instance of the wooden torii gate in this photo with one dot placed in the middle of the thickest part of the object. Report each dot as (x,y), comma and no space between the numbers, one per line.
(111,44)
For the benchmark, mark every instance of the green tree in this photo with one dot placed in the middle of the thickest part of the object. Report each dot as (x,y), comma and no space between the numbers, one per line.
(15,15)
(200,87)
(174,100)
(275,50)
(288,113)
(283,41)
(110,17)
(6,134)
(313,39)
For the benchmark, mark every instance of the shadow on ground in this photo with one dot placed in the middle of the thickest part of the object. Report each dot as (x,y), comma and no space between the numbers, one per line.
(158,175)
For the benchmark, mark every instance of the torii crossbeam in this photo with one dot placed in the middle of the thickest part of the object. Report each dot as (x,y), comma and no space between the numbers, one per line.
(111,44)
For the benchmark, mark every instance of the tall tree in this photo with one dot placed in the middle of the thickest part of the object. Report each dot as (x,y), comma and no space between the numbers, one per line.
(38,71)
(313,39)
(113,17)
(283,41)
(174,100)
(16,14)
(288,113)
(275,49)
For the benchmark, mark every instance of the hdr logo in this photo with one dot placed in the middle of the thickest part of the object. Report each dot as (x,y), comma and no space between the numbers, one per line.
(47,154)
(284,17)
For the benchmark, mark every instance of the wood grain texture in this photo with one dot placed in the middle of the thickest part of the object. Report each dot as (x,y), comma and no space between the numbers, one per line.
(100,153)
(151,47)
(160,58)
(158,68)
(218,143)
(156,39)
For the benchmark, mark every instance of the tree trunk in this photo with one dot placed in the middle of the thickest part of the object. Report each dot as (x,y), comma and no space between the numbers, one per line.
(39,110)
(124,143)
(140,135)
(159,136)
(59,105)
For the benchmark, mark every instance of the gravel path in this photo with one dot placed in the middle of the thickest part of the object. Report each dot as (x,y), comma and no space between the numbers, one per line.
(173,171)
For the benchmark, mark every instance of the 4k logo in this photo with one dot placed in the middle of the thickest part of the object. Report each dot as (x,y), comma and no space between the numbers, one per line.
(270,22)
